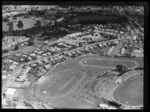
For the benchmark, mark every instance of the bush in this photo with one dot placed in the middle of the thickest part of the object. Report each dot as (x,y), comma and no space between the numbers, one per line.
(30,42)
(5,51)
(20,24)
(16,47)
(5,20)
(38,23)
(10,26)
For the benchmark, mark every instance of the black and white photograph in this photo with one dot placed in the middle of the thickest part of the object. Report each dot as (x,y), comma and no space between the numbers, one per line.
(73,56)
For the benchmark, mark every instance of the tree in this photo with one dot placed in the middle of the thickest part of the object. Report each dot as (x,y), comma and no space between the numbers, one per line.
(16,47)
(121,69)
(30,42)
(10,26)
(5,51)
(5,19)
(38,23)
(20,24)
(14,18)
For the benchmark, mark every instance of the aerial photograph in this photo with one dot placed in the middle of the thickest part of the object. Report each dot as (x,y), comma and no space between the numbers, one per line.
(63,56)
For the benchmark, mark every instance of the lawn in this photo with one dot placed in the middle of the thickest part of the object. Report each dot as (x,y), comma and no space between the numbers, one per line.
(27,22)
(130,92)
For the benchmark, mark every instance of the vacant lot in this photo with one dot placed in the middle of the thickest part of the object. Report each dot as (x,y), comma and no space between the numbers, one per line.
(69,78)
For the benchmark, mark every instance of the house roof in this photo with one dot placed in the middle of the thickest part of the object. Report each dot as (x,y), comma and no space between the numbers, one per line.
(10,91)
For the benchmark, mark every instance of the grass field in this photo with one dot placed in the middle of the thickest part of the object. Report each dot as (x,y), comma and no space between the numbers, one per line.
(28,23)
(66,80)
(130,92)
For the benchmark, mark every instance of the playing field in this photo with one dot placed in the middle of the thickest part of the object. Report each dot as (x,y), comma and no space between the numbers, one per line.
(65,80)
(130,92)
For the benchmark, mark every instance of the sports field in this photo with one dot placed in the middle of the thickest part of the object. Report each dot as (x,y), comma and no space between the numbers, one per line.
(66,82)
(130,92)
(105,63)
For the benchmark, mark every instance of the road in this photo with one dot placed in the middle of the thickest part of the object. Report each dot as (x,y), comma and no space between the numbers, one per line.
(117,49)
(12,78)
(134,28)
(87,45)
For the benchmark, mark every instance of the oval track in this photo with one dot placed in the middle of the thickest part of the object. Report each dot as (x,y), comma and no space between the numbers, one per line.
(130,92)
(107,63)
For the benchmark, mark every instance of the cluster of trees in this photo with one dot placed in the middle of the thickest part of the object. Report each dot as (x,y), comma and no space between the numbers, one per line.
(11,26)
(31,42)
(16,47)
(20,24)
(114,104)
(5,51)
(6,19)
(121,69)
(38,23)
(36,13)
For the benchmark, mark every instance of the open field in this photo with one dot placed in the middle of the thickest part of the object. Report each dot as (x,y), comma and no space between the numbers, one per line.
(69,82)
(130,92)
(28,23)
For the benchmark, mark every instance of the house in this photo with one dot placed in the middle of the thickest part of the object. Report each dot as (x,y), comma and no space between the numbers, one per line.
(118,81)
(123,50)
(109,52)
(16,84)
(104,106)
(48,66)
(42,69)
(97,36)
(138,52)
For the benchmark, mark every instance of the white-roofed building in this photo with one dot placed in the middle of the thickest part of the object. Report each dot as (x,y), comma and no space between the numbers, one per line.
(123,50)
(10,92)
(48,66)
(138,53)
(109,52)
(4,101)
(118,81)
(104,106)
(21,107)
(74,34)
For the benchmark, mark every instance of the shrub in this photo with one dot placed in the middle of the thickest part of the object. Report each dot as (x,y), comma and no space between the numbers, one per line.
(20,24)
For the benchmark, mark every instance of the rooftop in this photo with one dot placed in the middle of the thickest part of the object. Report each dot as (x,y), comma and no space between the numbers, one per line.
(11,91)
